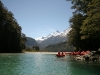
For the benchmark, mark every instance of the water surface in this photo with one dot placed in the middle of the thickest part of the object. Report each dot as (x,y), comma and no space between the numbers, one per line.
(45,64)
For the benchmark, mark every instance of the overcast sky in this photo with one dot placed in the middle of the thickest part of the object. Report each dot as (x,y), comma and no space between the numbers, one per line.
(40,17)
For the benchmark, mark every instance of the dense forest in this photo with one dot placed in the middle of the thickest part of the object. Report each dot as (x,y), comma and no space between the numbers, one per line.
(11,38)
(85,24)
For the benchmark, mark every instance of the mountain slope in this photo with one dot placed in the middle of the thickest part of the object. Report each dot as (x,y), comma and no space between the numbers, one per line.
(63,46)
(31,42)
(54,38)
(57,33)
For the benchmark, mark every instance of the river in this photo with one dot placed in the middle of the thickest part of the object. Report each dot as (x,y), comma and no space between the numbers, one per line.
(45,64)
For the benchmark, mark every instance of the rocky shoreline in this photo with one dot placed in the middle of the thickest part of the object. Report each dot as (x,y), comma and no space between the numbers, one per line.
(92,56)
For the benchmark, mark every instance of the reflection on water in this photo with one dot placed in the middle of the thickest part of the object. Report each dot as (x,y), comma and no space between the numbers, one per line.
(45,64)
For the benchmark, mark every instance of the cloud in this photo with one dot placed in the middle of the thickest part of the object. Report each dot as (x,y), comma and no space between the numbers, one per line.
(51,30)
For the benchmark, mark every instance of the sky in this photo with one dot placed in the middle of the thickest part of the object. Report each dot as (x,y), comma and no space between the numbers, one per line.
(39,18)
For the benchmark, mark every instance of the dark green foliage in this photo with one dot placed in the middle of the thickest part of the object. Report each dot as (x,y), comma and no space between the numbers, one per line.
(23,40)
(85,33)
(74,35)
(80,6)
(10,32)
(63,46)
(91,25)
(36,48)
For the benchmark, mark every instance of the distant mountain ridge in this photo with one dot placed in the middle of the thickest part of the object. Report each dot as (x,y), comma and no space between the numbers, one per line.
(57,33)
(53,38)
(31,42)
(62,46)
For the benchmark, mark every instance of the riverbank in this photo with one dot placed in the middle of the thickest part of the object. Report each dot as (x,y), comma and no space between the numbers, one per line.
(41,52)
(91,56)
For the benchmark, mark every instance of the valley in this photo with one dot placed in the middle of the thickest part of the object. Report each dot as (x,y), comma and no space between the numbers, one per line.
(53,42)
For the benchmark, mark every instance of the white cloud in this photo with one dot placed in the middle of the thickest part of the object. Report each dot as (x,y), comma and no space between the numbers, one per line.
(51,30)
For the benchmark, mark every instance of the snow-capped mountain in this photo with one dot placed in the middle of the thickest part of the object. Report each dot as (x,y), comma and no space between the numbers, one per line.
(53,38)
(55,34)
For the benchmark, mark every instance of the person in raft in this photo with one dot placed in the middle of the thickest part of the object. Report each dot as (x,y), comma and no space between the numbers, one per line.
(58,53)
(63,53)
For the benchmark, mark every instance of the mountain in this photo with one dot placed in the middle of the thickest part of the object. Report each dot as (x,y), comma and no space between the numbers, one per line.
(31,42)
(53,38)
(62,46)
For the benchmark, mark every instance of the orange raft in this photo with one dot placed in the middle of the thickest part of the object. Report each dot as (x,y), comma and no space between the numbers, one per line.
(79,53)
(60,54)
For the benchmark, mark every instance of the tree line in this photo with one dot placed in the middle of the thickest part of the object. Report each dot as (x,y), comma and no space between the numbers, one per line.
(85,24)
(11,38)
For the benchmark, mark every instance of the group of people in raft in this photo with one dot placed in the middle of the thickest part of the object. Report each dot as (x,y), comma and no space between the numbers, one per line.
(62,54)
(79,53)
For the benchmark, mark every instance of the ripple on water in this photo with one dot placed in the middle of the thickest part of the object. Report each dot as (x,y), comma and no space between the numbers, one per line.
(44,64)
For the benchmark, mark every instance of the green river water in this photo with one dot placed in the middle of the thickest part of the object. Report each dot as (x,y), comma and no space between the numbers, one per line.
(45,64)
